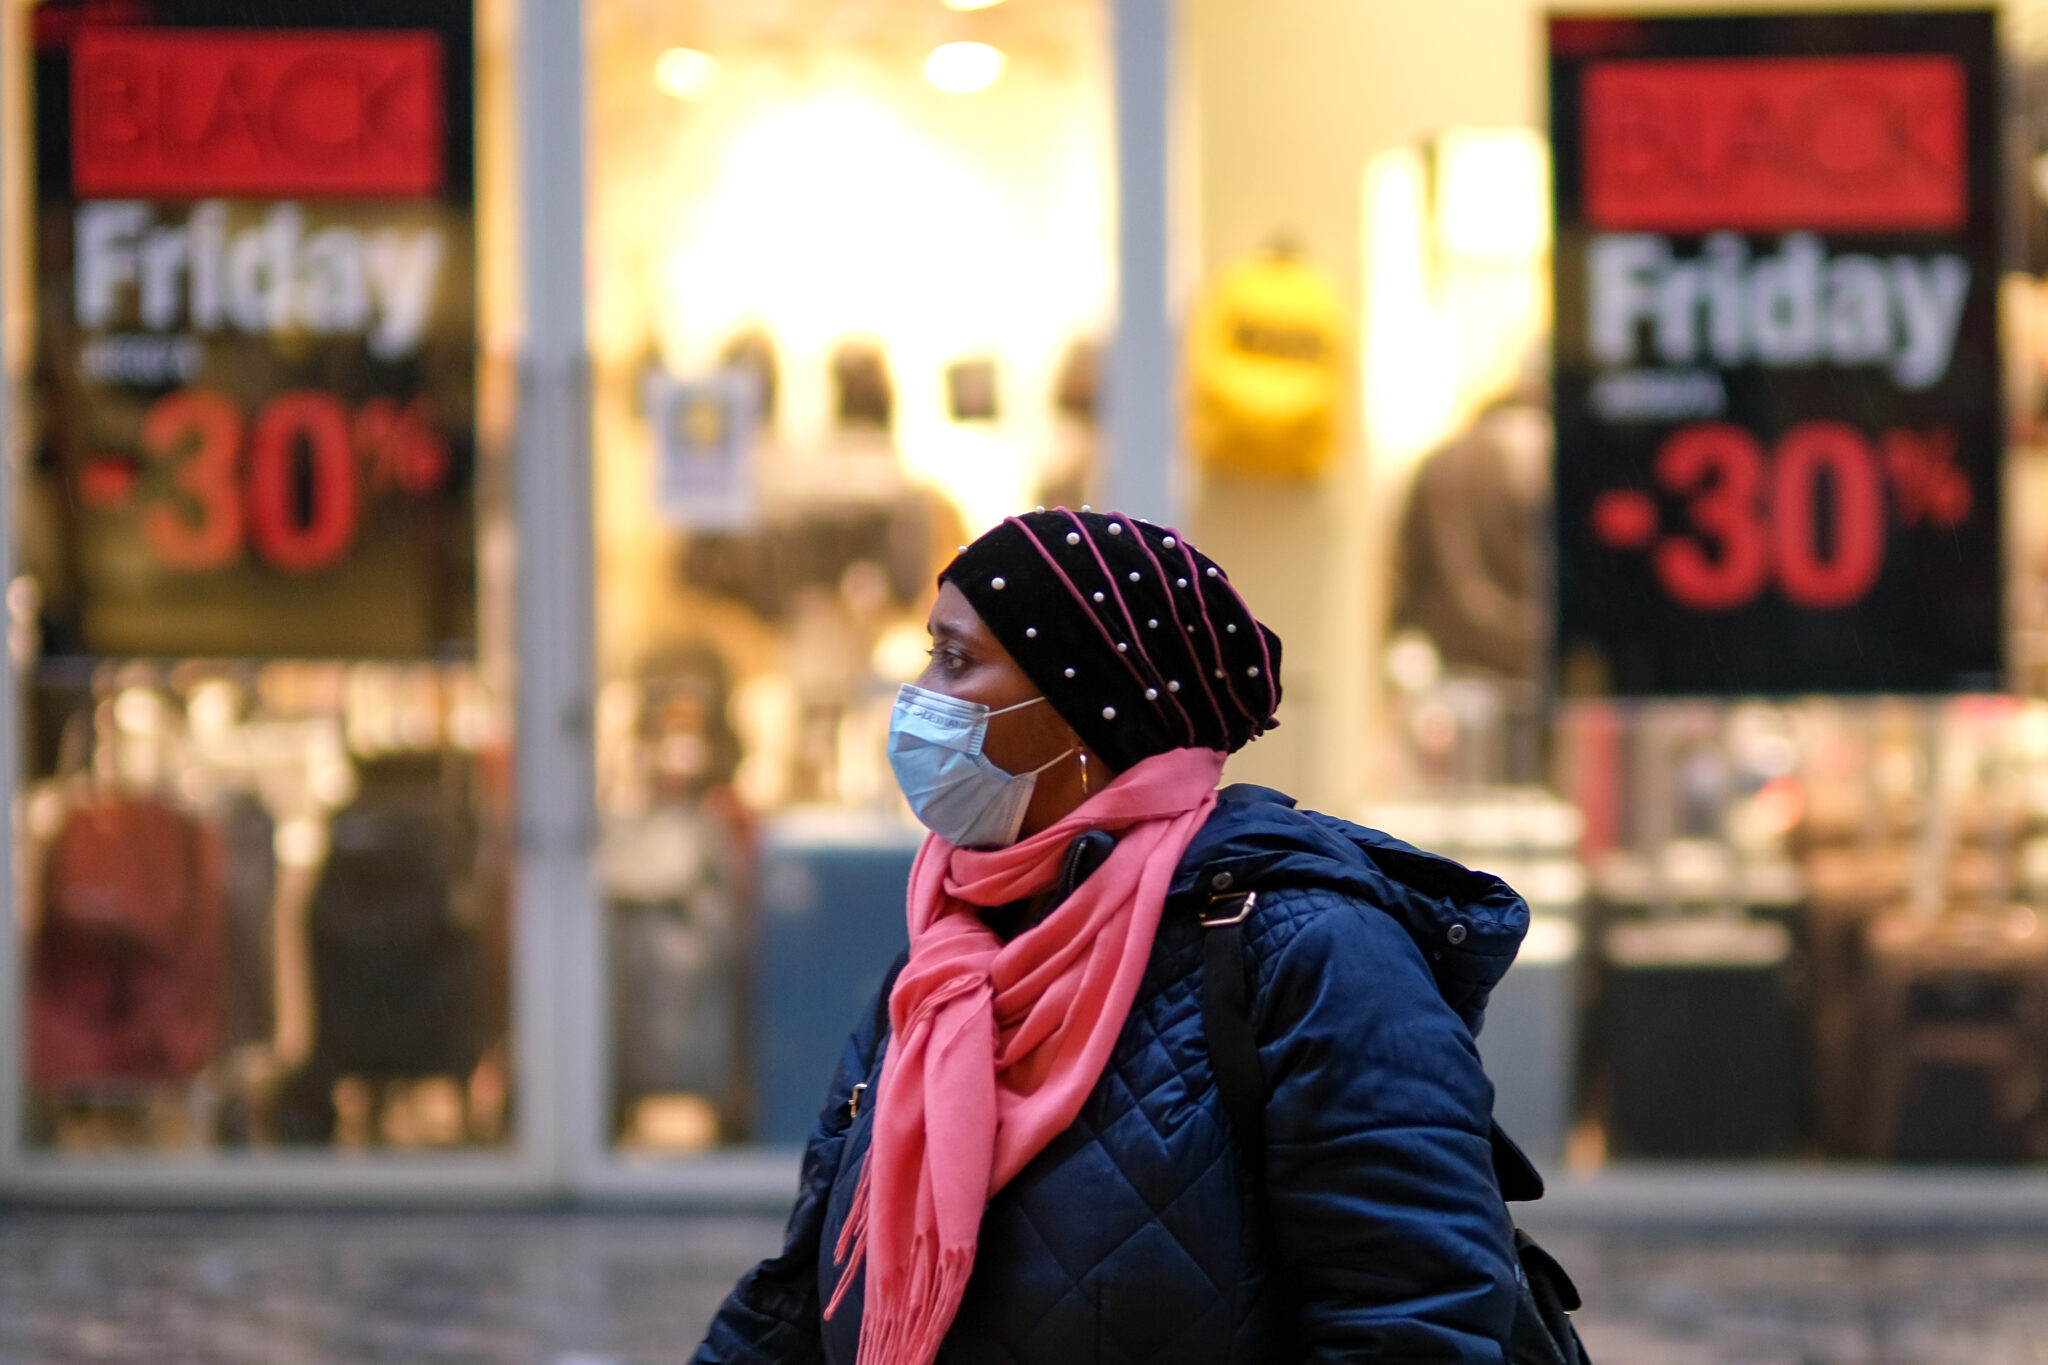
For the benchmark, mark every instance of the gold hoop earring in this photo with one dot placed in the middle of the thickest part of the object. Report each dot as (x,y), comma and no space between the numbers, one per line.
(1084,772)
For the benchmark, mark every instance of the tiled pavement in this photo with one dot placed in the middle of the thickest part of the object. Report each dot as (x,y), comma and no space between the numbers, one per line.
(1865,1298)
(595,1288)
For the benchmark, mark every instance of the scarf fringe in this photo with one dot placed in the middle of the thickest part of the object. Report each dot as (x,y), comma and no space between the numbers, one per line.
(909,1330)
(853,1240)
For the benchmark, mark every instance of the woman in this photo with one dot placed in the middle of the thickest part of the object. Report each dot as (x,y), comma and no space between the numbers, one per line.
(1026,1157)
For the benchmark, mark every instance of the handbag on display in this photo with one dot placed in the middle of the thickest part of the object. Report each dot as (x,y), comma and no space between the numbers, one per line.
(1265,366)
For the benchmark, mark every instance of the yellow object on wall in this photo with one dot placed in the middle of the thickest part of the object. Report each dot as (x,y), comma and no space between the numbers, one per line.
(1265,362)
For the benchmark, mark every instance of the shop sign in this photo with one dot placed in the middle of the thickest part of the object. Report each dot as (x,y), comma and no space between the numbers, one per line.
(257,313)
(1776,364)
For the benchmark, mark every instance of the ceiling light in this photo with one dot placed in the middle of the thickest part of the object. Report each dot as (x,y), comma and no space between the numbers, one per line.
(1493,193)
(685,72)
(970,4)
(963,68)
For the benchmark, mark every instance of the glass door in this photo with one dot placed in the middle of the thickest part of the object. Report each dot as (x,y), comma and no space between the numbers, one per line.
(259,298)
(851,268)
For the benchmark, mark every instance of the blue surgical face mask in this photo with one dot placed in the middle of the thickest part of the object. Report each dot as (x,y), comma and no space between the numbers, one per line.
(935,747)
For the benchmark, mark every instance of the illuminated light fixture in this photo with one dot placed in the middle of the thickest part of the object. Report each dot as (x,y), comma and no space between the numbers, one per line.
(685,73)
(1493,193)
(1409,364)
(970,4)
(963,68)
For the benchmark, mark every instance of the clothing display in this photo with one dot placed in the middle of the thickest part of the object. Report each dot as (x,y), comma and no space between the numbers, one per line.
(129,961)
(765,568)
(971,391)
(753,351)
(1077,392)
(288,913)
(1469,573)
(248,835)
(860,377)
(675,865)
(396,965)
(1847,886)
(675,921)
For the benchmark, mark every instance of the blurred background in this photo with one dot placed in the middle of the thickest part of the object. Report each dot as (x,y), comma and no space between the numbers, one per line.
(475,474)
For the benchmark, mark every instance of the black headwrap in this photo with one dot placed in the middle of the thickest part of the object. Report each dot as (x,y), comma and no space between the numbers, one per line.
(1135,637)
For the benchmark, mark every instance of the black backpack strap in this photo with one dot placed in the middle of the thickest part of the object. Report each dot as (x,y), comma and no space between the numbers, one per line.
(1227,1020)
(1520,1181)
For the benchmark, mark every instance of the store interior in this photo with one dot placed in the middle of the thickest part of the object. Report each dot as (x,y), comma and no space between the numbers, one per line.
(852,273)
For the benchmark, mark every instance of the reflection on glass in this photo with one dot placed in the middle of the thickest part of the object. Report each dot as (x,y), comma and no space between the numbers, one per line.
(264,904)
(259,634)
(840,320)
(674,862)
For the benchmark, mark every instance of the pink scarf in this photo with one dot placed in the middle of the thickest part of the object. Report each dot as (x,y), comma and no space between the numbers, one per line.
(996,1045)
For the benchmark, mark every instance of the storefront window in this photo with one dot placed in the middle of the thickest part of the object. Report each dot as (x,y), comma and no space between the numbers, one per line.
(850,274)
(1768,925)
(261,666)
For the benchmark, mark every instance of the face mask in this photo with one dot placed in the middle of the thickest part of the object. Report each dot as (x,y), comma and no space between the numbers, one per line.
(935,747)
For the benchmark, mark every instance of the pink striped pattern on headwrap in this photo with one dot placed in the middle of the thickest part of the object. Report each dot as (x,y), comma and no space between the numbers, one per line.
(1062,590)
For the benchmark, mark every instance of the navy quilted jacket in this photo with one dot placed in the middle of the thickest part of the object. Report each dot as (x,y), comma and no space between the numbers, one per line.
(1375,1231)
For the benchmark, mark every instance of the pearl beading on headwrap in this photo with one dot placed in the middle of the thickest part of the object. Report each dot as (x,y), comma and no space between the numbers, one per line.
(1076,537)
(1152,675)
(1186,556)
(1102,587)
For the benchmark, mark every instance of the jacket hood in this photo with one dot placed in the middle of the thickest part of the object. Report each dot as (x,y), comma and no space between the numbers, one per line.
(1468,924)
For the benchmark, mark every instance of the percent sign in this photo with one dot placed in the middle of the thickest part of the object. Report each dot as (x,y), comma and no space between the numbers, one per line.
(291,481)
(1929,488)
(1756,518)
(399,447)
